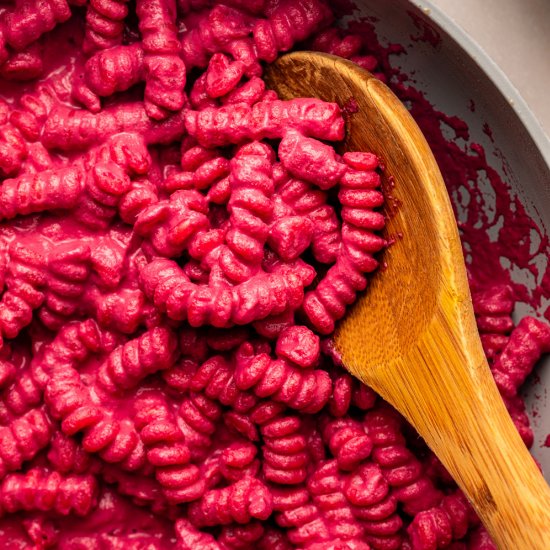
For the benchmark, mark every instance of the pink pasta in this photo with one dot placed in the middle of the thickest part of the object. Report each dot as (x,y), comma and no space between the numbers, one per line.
(104,24)
(374,505)
(249,39)
(177,247)
(239,460)
(164,69)
(266,119)
(115,69)
(153,351)
(72,403)
(303,201)
(24,65)
(348,442)
(251,188)
(69,268)
(24,281)
(198,417)
(216,379)
(402,470)
(189,537)
(493,308)
(48,190)
(303,390)
(74,342)
(13,150)
(67,456)
(285,451)
(23,439)
(166,450)
(40,490)
(438,527)
(239,502)
(30,19)
(71,129)
(529,340)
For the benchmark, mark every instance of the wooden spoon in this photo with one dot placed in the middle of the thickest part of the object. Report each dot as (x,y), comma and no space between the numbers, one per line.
(412,336)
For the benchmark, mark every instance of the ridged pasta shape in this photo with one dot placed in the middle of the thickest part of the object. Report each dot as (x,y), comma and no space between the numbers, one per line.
(438,527)
(239,460)
(493,309)
(348,442)
(40,490)
(58,189)
(68,271)
(190,538)
(70,402)
(166,449)
(69,129)
(22,439)
(197,418)
(126,150)
(74,343)
(215,378)
(305,218)
(203,168)
(13,150)
(67,456)
(115,182)
(33,110)
(222,75)
(106,183)
(128,364)
(348,46)
(250,210)
(241,537)
(284,450)
(107,72)
(30,19)
(171,225)
(240,502)
(24,65)
(342,394)
(374,505)
(528,341)
(250,40)
(310,160)
(164,70)
(25,280)
(266,294)
(299,517)
(236,124)
(411,486)
(325,485)
(359,196)
(104,24)
(219,29)
(304,390)
(141,195)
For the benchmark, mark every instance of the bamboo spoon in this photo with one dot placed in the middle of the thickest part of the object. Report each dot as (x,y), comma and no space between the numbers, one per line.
(412,336)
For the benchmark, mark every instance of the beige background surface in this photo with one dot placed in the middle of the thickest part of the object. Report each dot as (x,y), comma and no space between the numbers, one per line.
(516,35)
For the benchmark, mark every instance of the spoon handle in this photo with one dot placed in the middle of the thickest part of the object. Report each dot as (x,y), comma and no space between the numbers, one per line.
(468,427)
(412,337)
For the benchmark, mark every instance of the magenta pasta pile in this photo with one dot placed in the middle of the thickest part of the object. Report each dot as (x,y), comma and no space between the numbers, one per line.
(176,247)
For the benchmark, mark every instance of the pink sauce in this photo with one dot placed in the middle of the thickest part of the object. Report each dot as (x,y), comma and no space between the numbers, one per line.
(171,268)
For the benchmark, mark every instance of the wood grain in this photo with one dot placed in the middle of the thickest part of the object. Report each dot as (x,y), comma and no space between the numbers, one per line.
(412,336)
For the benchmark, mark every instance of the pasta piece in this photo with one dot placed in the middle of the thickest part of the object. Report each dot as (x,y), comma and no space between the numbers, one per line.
(40,490)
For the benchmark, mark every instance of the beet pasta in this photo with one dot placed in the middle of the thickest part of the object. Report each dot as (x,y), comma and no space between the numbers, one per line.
(177,246)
